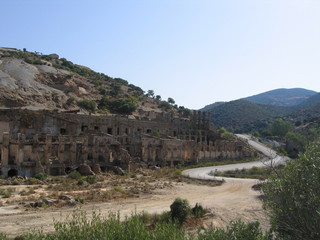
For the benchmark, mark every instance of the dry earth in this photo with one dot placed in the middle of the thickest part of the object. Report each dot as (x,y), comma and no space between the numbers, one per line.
(230,201)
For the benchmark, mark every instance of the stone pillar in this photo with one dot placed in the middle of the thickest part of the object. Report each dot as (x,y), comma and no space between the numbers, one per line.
(5,150)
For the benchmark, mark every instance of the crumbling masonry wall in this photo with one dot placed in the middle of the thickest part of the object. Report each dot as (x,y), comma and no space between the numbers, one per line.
(54,143)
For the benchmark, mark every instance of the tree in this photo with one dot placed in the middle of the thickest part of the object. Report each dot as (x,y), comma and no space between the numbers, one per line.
(88,105)
(171,101)
(115,90)
(294,197)
(150,93)
(280,128)
(158,97)
(180,210)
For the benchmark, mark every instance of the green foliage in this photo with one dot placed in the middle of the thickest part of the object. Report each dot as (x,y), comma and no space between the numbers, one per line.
(40,176)
(280,128)
(255,133)
(186,112)
(165,105)
(171,101)
(177,173)
(180,210)
(75,175)
(115,90)
(236,231)
(244,116)
(79,200)
(150,93)
(296,143)
(225,134)
(294,197)
(82,228)
(158,97)
(70,101)
(198,211)
(121,106)
(91,179)
(88,105)
(5,193)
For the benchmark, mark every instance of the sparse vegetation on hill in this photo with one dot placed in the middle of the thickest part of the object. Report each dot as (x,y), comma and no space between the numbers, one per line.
(76,86)
(244,116)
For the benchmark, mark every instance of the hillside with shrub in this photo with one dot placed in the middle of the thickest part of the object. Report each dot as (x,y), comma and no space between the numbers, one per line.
(282,97)
(244,116)
(37,81)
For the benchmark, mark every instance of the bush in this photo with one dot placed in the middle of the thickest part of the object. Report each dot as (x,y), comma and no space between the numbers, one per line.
(88,105)
(198,211)
(236,231)
(3,236)
(75,175)
(180,210)
(40,176)
(121,106)
(91,179)
(294,197)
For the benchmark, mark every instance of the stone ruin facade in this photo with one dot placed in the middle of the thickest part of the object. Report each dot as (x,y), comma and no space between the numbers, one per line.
(55,143)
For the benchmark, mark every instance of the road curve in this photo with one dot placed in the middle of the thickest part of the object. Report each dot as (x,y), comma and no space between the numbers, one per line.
(271,158)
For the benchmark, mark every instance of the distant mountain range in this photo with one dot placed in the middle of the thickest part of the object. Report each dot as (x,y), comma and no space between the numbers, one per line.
(254,112)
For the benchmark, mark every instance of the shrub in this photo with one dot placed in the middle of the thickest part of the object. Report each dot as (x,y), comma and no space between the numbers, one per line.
(91,179)
(180,210)
(294,197)
(40,176)
(198,211)
(75,175)
(236,231)
(79,199)
(70,101)
(3,236)
(88,105)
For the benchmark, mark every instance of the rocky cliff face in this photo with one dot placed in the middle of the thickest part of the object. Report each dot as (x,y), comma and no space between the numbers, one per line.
(25,85)
(34,81)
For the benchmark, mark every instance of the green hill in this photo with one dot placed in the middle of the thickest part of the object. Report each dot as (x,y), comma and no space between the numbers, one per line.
(244,116)
(282,97)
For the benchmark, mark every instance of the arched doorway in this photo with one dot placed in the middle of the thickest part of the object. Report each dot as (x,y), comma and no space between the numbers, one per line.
(12,172)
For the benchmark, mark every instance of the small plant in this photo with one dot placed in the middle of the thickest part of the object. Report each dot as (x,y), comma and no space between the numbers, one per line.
(180,210)
(75,175)
(120,190)
(91,179)
(198,211)
(40,176)
(79,199)
(177,173)
(5,193)
(3,236)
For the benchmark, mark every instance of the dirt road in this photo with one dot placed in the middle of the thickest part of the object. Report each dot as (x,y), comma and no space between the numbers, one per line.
(231,201)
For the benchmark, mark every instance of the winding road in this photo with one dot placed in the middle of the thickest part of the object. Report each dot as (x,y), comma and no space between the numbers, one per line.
(271,158)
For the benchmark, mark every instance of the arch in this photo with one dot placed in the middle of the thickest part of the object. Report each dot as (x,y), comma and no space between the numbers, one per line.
(12,172)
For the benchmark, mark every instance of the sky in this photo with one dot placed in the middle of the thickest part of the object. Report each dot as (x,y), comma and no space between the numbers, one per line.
(195,51)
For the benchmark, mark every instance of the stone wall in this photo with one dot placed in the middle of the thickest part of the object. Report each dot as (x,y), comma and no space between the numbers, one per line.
(54,143)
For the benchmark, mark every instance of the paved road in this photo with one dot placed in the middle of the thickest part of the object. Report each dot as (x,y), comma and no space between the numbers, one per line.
(271,158)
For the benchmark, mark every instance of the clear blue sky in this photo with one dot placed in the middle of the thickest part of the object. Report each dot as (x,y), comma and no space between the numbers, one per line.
(195,51)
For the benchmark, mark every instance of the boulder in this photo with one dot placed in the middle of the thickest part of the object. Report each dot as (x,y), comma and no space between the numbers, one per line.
(85,170)
(65,197)
(96,168)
